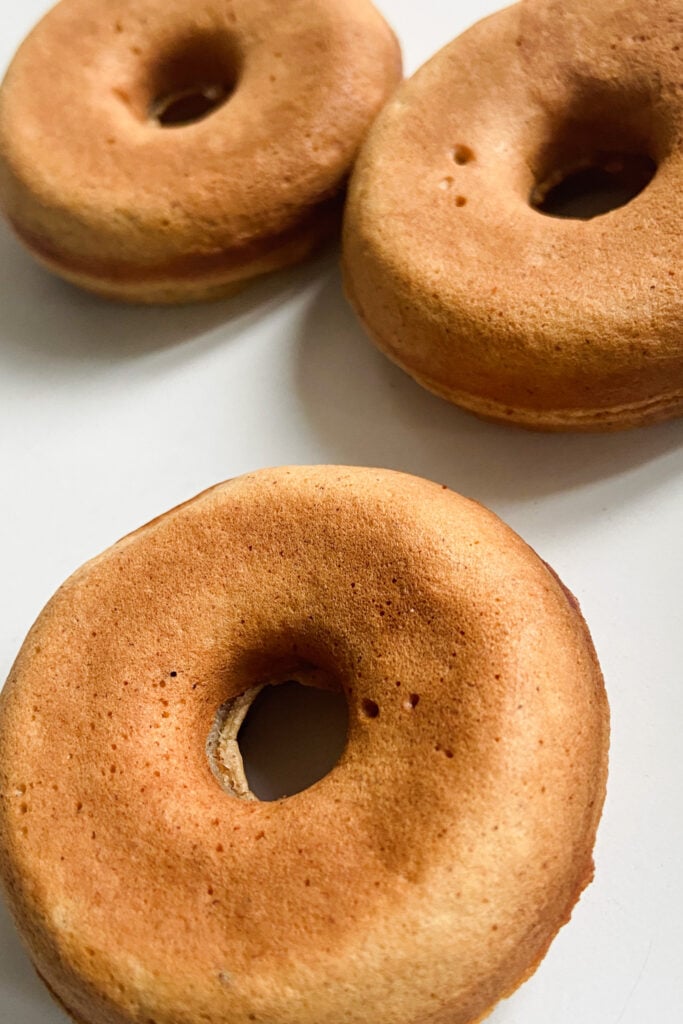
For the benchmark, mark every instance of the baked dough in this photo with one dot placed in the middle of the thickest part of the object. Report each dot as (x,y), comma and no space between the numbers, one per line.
(421,880)
(555,324)
(120,202)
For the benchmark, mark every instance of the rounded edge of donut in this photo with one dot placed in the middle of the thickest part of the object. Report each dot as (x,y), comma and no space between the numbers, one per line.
(186,281)
(589,421)
(647,412)
(607,419)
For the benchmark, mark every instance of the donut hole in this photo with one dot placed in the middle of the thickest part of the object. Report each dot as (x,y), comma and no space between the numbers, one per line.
(291,737)
(281,739)
(189,106)
(594,185)
(598,157)
(599,154)
(192,79)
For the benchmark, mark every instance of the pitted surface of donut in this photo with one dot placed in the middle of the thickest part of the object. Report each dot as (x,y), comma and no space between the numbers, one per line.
(420,880)
(167,151)
(458,275)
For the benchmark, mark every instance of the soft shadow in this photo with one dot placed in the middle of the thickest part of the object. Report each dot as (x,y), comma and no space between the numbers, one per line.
(49,322)
(24,998)
(368,412)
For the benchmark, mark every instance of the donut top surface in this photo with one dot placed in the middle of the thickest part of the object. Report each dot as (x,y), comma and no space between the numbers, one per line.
(88,172)
(471,288)
(423,876)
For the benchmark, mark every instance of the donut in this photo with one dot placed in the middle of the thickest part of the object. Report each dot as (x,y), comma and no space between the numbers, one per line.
(170,150)
(454,256)
(422,879)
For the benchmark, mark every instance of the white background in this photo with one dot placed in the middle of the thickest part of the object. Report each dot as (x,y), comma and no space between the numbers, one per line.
(110,415)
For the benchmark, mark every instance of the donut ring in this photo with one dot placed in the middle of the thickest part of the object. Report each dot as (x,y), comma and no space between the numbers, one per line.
(554,324)
(421,880)
(106,186)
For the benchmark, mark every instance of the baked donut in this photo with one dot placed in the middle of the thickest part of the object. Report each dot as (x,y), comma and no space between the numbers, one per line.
(421,880)
(169,150)
(451,258)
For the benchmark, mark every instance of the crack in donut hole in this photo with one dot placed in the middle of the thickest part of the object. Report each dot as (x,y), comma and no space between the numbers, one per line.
(191,80)
(279,738)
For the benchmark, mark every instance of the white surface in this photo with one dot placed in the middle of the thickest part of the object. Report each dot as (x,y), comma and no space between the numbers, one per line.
(111,415)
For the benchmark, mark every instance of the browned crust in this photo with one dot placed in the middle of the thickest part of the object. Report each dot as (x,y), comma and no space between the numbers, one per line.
(500,770)
(518,317)
(134,211)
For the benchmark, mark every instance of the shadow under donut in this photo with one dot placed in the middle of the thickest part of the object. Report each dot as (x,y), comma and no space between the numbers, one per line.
(366,411)
(24,999)
(49,322)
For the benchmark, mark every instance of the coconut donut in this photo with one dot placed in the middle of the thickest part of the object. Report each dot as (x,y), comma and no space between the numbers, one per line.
(168,150)
(452,258)
(421,880)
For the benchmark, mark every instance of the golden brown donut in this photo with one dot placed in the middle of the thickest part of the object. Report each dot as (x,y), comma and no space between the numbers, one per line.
(421,880)
(518,316)
(108,188)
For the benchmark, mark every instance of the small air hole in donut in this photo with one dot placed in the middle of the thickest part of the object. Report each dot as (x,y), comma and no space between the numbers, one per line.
(370,708)
(595,186)
(463,155)
(291,737)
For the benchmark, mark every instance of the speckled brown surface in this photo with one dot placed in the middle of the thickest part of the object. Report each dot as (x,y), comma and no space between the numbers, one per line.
(420,880)
(109,199)
(518,316)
